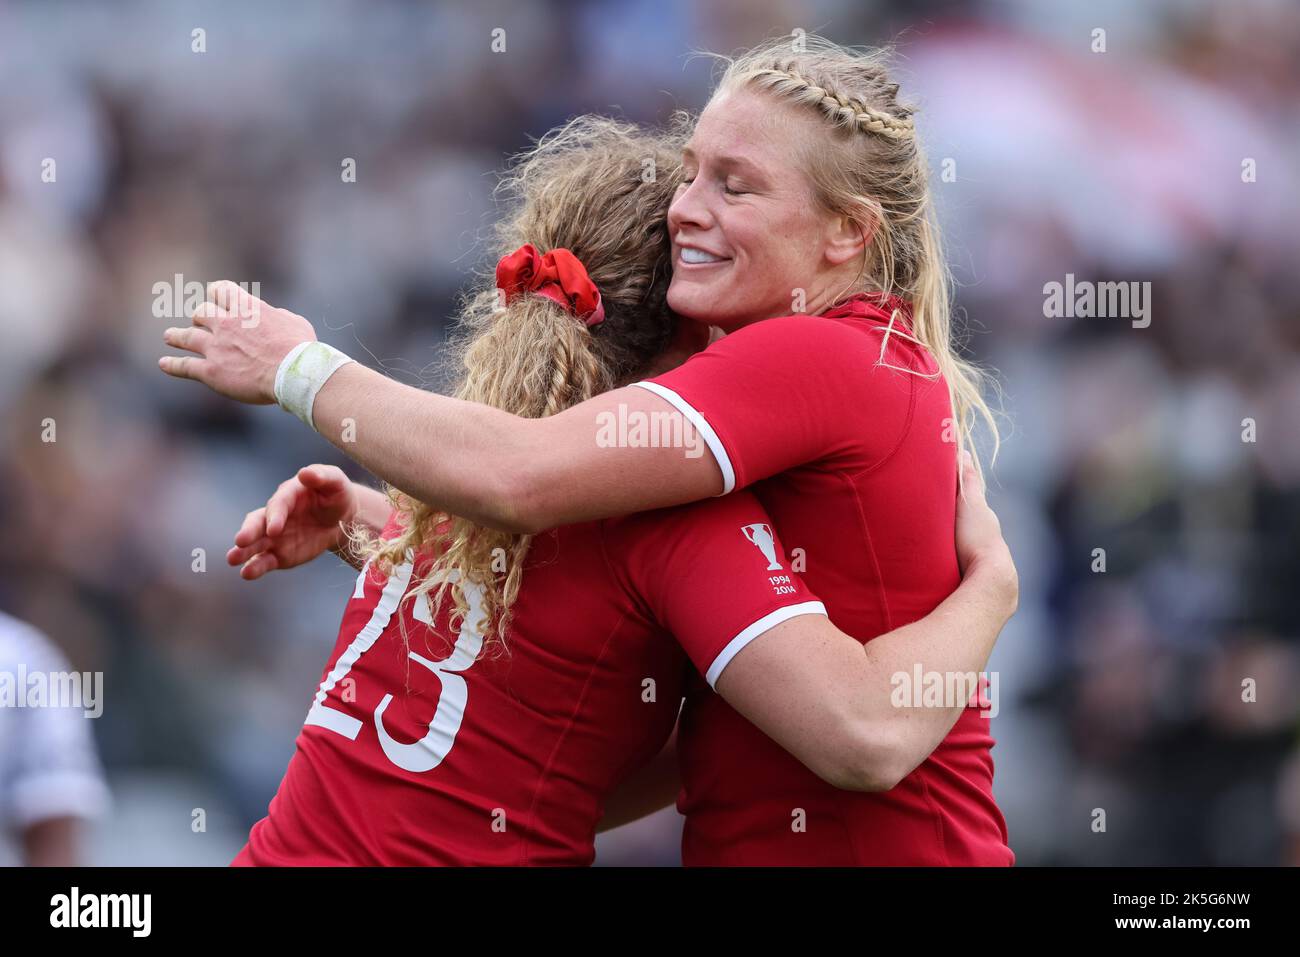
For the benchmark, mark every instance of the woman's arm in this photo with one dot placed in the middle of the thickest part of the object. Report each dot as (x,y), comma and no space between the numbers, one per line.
(826,698)
(52,842)
(373,509)
(501,470)
(784,392)
(650,788)
(512,473)
(834,703)
(830,700)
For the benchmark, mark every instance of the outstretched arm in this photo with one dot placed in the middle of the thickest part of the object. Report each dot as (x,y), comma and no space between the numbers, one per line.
(501,470)
(508,472)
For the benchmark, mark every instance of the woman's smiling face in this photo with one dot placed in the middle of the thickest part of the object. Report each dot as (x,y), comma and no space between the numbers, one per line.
(746,231)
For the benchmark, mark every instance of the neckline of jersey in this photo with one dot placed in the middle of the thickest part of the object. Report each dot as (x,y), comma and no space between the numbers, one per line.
(872,305)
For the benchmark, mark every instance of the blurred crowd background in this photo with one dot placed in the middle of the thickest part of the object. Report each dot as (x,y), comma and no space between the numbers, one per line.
(1119,690)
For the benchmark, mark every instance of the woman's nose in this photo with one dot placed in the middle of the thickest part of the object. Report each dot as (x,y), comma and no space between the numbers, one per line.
(689,209)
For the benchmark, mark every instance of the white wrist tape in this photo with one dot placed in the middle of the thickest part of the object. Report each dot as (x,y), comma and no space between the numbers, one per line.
(301,375)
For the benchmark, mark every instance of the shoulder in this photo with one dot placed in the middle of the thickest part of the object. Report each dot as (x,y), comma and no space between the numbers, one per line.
(836,342)
(845,356)
(21,643)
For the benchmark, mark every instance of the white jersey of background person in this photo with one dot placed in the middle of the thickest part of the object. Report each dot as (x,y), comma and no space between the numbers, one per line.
(48,765)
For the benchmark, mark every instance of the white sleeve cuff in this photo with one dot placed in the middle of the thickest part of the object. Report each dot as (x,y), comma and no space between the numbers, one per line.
(764,624)
(702,426)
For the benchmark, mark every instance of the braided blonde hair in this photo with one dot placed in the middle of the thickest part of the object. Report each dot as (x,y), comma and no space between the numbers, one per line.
(871,167)
(843,110)
(599,188)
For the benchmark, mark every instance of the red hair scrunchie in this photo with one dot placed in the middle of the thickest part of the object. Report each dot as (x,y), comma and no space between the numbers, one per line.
(559,276)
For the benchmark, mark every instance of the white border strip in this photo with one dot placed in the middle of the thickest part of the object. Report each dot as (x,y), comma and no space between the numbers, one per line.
(766,623)
(701,424)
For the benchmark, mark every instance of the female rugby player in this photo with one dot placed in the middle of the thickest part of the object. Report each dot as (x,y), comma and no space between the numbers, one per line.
(804,229)
(423,749)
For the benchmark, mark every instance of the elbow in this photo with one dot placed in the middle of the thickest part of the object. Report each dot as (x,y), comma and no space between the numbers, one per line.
(867,758)
(517,502)
(497,482)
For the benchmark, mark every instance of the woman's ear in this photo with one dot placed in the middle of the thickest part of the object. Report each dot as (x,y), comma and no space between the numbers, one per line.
(846,238)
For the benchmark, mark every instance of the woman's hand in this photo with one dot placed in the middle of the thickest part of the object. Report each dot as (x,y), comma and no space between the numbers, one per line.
(238,343)
(980,545)
(303,519)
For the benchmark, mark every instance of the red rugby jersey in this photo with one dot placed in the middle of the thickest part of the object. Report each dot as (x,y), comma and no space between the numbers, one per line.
(420,753)
(856,465)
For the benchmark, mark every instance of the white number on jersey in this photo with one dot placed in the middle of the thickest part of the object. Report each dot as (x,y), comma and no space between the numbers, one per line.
(427,753)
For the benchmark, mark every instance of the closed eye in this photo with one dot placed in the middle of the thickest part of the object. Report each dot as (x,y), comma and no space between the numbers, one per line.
(726,189)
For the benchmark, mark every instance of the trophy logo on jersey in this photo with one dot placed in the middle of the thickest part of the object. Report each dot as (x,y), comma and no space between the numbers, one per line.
(761,536)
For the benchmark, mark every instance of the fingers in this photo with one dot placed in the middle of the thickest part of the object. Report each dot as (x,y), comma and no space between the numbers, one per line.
(191,339)
(326,479)
(183,367)
(280,506)
(206,314)
(258,566)
(240,554)
(196,338)
(253,528)
(229,296)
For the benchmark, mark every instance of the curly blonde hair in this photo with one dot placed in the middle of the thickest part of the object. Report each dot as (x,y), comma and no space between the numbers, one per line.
(599,188)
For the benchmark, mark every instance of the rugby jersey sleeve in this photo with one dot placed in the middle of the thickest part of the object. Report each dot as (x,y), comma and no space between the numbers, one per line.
(712,573)
(786,392)
(49,768)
